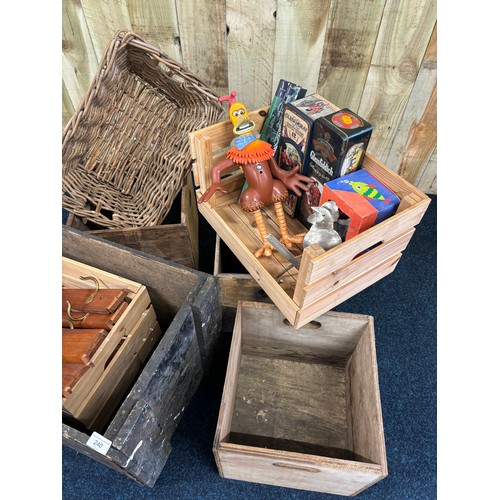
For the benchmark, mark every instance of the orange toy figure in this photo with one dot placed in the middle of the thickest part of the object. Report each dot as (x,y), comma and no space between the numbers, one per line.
(267,183)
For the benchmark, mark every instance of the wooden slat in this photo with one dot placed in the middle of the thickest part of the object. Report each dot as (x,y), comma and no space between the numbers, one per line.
(348,49)
(408,201)
(235,287)
(71,373)
(79,61)
(327,475)
(300,33)
(427,178)
(309,293)
(306,264)
(168,241)
(365,408)
(416,136)
(72,270)
(157,21)
(400,187)
(229,391)
(202,27)
(68,108)
(402,40)
(339,256)
(189,219)
(250,50)
(327,302)
(332,338)
(101,401)
(104,19)
(200,148)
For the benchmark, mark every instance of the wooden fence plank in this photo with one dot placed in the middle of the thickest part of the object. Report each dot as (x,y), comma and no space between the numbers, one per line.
(67,106)
(416,136)
(403,38)
(156,22)
(300,34)
(250,50)
(427,179)
(79,61)
(376,57)
(202,27)
(104,19)
(349,43)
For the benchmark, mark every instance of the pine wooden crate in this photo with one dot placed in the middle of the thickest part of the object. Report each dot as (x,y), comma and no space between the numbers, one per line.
(116,362)
(187,308)
(301,408)
(175,241)
(325,279)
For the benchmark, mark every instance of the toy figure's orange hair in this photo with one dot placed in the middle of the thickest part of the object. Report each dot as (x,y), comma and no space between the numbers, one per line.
(254,152)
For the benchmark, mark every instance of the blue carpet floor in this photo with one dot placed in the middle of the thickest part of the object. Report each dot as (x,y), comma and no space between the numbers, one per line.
(404,306)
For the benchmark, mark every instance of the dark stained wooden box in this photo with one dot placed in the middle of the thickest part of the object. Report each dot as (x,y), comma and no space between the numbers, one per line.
(301,407)
(176,239)
(188,312)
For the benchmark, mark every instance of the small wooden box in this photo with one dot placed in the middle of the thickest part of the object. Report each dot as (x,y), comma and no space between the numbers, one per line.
(301,408)
(116,362)
(325,279)
(175,241)
(188,312)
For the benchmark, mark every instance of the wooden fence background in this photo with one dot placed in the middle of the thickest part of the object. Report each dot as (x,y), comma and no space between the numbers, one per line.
(376,57)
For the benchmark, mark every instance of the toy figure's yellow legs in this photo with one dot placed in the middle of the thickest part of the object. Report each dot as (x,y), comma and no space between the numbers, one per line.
(266,248)
(286,239)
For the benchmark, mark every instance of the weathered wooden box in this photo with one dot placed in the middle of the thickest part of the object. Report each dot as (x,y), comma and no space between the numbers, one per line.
(95,395)
(325,279)
(301,408)
(187,307)
(176,239)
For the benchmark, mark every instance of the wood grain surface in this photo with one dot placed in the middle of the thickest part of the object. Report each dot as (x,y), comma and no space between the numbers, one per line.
(375,57)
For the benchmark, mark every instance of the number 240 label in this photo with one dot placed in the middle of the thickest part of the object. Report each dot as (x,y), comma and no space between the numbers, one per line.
(99,443)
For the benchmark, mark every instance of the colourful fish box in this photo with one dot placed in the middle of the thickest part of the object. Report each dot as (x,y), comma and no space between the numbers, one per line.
(363,198)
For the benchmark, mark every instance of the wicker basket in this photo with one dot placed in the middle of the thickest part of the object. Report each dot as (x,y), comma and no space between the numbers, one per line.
(125,151)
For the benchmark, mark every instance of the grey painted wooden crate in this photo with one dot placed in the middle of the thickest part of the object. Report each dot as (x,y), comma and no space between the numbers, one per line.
(187,306)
